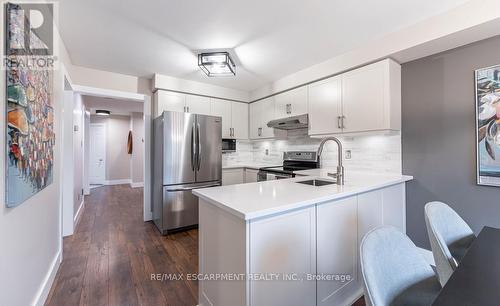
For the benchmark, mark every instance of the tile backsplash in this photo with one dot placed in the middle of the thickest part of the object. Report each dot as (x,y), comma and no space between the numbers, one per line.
(374,152)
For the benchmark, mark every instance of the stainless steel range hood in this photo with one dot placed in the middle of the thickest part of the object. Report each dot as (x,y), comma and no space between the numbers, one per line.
(290,123)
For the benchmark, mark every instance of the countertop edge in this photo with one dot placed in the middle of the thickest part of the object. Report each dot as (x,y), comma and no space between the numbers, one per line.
(226,208)
(247,166)
(301,204)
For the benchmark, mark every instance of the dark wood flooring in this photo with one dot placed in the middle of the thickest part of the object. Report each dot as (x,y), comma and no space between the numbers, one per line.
(112,255)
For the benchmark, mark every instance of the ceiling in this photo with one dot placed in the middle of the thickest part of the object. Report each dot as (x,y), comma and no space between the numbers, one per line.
(268,38)
(115,106)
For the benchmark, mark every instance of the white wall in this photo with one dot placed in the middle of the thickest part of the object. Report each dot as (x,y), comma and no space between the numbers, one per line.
(78,132)
(109,80)
(30,233)
(117,158)
(166,82)
(137,157)
(86,153)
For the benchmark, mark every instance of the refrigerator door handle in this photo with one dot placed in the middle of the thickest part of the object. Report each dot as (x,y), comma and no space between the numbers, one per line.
(198,135)
(193,187)
(193,147)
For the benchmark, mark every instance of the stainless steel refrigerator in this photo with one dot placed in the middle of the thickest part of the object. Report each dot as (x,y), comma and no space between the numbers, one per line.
(187,155)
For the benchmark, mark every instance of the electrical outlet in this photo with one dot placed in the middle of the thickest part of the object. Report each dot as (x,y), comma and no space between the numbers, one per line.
(348,154)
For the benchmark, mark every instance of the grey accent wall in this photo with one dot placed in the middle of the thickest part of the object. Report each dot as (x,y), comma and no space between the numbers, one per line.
(438,137)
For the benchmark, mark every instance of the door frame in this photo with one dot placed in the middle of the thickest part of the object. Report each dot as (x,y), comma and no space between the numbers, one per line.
(68,120)
(105,149)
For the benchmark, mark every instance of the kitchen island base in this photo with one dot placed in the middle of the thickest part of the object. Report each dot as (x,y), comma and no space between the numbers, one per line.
(303,256)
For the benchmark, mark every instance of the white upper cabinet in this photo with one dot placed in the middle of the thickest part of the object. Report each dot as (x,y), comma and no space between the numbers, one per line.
(222,108)
(169,101)
(197,105)
(291,103)
(363,95)
(261,112)
(366,99)
(234,117)
(239,120)
(177,102)
(325,106)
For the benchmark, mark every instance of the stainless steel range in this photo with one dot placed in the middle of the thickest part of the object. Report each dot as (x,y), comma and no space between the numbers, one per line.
(292,161)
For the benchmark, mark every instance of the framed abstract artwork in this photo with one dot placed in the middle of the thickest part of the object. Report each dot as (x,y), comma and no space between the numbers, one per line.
(30,120)
(487,82)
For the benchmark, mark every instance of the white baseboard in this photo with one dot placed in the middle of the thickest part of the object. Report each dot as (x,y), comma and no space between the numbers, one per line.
(136,185)
(44,290)
(428,256)
(117,182)
(79,213)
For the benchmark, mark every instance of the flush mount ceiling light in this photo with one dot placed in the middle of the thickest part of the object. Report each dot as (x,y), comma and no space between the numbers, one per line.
(101,112)
(216,64)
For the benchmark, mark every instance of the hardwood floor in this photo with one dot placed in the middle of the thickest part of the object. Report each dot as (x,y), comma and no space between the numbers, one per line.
(111,257)
(113,253)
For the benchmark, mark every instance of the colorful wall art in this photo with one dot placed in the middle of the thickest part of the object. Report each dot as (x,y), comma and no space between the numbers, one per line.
(488,125)
(30,125)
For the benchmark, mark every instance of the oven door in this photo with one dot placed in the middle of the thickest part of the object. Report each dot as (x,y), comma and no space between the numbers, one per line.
(269,176)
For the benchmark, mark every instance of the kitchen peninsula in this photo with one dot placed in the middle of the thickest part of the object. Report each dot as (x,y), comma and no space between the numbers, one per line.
(295,233)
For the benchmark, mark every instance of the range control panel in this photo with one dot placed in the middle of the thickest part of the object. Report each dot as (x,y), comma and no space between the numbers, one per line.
(299,155)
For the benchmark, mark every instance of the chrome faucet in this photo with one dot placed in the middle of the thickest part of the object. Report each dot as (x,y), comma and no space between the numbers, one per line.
(340,169)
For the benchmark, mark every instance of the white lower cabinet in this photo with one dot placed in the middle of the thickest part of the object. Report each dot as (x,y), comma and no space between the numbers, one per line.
(233,176)
(283,246)
(251,175)
(238,176)
(394,210)
(336,244)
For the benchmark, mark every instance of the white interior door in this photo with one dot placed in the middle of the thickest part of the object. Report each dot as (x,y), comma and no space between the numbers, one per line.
(97,158)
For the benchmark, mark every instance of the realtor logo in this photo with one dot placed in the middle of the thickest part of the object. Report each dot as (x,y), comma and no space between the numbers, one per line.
(30,29)
(30,41)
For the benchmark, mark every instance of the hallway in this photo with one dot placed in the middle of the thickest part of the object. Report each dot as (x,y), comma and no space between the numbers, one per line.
(111,256)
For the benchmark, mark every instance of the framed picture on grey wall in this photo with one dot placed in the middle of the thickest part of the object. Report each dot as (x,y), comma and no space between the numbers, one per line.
(488,125)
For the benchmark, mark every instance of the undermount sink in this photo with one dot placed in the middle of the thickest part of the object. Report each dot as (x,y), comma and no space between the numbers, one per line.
(316,182)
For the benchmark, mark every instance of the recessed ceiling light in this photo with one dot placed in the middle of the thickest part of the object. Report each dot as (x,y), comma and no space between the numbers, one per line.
(101,112)
(216,64)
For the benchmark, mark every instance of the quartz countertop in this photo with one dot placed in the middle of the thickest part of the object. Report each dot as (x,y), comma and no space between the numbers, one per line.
(254,200)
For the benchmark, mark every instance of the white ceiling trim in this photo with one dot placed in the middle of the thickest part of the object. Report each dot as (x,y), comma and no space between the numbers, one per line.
(192,87)
(108,93)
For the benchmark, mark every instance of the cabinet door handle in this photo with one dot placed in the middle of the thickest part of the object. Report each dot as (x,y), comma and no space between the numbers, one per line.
(342,119)
(187,108)
(231,132)
(339,124)
(259,131)
(288,109)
